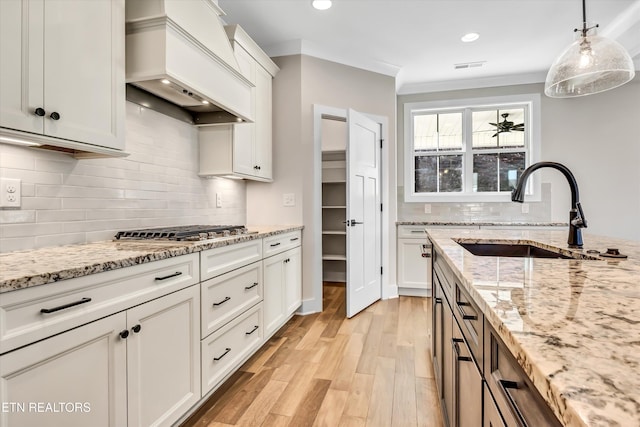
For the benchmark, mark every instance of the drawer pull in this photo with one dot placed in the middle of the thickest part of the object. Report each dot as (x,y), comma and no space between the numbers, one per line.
(273,245)
(456,348)
(465,316)
(177,273)
(246,288)
(221,302)
(62,307)
(418,231)
(507,385)
(255,328)
(438,300)
(294,239)
(227,350)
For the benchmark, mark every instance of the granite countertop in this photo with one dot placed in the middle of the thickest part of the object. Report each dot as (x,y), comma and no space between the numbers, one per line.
(573,325)
(484,223)
(24,269)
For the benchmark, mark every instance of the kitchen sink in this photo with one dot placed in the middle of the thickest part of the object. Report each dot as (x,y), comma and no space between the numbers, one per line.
(516,250)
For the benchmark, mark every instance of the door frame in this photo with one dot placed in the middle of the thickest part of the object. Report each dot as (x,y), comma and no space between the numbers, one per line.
(389,288)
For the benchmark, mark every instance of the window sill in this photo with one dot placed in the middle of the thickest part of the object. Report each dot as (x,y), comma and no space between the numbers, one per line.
(467,198)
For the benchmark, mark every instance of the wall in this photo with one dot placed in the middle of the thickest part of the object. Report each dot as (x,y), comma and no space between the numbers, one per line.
(68,201)
(594,136)
(302,82)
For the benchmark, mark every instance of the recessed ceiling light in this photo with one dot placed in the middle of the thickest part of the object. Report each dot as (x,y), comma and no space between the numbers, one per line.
(165,81)
(321,4)
(470,37)
(205,102)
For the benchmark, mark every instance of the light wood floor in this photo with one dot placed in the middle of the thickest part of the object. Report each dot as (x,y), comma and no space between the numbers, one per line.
(326,370)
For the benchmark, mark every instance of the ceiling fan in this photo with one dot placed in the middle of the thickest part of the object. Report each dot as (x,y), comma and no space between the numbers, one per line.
(507,126)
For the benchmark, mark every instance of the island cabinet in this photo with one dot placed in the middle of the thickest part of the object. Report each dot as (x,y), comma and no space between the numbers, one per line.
(56,85)
(112,349)
(479,381)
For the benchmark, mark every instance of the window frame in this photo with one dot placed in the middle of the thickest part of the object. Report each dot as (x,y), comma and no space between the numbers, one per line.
(531,103)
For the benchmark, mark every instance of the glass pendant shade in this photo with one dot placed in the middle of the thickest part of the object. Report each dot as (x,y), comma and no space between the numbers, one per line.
(590,65)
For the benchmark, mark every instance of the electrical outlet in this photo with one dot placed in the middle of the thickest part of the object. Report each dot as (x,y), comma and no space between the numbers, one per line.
(10,194)
(218,200)
(525,208)
(427,208)
(288,199)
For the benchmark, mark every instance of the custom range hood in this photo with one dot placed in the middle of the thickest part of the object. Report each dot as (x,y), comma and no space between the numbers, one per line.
(179,62)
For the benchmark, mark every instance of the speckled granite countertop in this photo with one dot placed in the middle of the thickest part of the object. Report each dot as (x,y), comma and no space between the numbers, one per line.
(24,269)
(484,223)
(573,325)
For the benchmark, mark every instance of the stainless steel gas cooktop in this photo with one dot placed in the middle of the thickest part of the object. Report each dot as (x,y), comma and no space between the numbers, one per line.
(183,232)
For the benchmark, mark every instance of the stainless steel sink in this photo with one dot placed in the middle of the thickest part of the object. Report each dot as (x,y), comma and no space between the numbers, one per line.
(511,250)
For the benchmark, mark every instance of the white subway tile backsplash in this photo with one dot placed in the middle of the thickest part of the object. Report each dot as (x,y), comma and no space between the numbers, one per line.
(68,201)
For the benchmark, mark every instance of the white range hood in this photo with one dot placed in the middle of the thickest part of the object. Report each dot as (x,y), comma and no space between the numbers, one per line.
(178,51)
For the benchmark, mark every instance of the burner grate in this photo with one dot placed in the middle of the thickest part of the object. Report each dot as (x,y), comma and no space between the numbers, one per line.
(184,232)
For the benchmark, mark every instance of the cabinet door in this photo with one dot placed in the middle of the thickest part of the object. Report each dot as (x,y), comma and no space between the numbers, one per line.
(274,309)
(448,391)
(437,336)
(263,123)
(163,358)
(413,269)
(293,280)
(85,368)
(468,383)
(84,71)
(21,64)
(491,415)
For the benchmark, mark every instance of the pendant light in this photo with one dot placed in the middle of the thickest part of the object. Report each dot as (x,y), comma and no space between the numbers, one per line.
(590,65)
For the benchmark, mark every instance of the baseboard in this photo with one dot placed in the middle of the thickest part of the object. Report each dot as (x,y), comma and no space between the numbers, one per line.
(310,306)
(390,291)
(413,292)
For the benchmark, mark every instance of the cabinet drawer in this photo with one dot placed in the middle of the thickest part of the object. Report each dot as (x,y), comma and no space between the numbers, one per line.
(280,243)
(215,262)
(226,296)
(227,348)
(32,314)
(412,231)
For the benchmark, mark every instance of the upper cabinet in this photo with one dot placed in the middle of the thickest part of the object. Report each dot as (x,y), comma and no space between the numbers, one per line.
(243,150)
(62,74)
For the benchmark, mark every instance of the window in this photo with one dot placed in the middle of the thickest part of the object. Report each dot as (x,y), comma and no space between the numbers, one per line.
(470,150)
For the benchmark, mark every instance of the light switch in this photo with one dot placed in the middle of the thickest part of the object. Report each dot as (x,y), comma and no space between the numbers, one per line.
(427,208)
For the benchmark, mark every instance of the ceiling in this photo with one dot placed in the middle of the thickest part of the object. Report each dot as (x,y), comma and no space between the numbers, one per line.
(418,41)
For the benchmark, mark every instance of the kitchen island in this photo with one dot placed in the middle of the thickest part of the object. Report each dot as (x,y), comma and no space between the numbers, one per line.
(572,325)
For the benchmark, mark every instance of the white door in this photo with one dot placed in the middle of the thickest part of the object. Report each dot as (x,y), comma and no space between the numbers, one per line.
(163,358)
(75,379)
(363,213)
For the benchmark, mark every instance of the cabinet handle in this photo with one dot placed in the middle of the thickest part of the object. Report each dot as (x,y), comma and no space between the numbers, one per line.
(221,302)
(246,288)
(40,112)
(273,245)
(55,115)
(136,328)
(465,316)
(438,300)
(294,239)
(62,307)
(177,273)
(456,348)
(417,231)
(124,334)
(227,350)
(255,328)
(507,385)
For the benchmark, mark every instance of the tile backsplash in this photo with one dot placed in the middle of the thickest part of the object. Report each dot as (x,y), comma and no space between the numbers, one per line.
(464,212)
(68,201)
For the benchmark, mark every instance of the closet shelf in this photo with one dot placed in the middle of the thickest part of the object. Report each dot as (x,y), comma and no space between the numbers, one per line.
(333,257)
(334,233)
(334,207)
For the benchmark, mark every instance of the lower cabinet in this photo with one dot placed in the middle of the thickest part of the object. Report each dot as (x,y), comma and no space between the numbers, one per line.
(492,417)
(81,374)
(282,288)
(467,383)
(138,367)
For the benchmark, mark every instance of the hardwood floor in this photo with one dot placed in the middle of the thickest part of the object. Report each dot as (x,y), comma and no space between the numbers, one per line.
(326,370)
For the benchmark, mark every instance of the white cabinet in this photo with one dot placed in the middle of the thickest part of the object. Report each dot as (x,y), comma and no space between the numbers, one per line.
(243,150)
(163,358)
(62,71)
(414,262)
(139,367)
(85,368)
(282,288)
